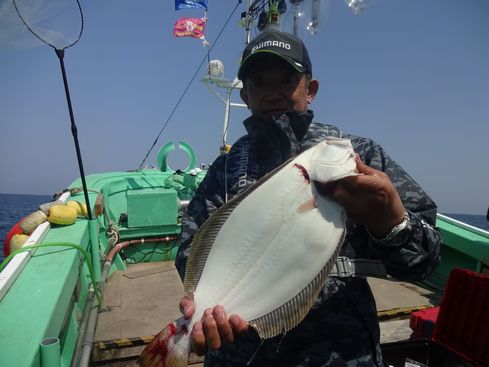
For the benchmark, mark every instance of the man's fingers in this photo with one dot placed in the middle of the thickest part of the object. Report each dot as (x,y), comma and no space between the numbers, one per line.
(366,170)
(223,325)
(362,167)
(198,339)
(211,331)
(215,329)
(238,324)
(187,307)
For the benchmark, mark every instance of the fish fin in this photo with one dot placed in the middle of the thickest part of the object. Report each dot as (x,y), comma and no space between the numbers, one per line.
(204,238)
(202,244)
(291,313)
(170,348)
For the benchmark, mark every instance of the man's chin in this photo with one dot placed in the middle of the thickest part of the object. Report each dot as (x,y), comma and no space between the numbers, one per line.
(272,115)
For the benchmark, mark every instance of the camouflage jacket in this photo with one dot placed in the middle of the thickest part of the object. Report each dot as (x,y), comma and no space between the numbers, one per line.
(342,328)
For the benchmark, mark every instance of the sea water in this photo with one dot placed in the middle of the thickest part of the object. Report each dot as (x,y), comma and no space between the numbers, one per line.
(479,221)
(14,207)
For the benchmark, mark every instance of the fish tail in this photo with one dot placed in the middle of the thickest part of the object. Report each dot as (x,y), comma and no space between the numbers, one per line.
(170,348)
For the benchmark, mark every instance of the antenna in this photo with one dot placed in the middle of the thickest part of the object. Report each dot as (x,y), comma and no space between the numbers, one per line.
(214,79)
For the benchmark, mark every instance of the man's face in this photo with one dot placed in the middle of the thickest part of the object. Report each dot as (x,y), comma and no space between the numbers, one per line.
(273,87)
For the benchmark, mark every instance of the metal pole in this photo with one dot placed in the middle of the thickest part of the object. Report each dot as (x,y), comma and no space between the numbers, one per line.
(74,131)
(227,111)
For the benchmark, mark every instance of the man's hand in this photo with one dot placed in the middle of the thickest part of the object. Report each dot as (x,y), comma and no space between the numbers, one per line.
(369,199)
(214,329)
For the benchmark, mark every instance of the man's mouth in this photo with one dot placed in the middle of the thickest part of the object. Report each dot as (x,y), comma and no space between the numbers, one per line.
(274,112)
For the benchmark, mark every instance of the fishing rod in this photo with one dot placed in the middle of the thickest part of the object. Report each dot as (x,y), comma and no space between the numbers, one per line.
(74,131)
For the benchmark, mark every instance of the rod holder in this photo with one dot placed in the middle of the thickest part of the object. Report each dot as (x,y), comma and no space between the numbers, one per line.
(94,249)
(50,352)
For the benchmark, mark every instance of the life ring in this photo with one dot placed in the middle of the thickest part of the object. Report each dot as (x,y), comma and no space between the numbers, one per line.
(169,147)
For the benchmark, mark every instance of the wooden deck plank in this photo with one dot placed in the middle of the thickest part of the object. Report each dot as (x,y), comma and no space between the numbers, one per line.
(391,294)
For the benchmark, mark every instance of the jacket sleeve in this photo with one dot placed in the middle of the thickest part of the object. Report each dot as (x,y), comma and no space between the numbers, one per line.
(207,199)
(410,257)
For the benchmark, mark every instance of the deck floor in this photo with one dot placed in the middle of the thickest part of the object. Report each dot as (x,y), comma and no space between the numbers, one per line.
(395,301)
(139,302)
(142,300)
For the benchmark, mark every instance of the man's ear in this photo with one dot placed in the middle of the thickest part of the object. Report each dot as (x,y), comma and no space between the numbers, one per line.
(244,95)
(312,90)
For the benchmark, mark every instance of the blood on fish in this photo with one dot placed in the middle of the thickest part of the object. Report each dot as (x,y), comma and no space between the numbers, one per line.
(157,350)
(303,171)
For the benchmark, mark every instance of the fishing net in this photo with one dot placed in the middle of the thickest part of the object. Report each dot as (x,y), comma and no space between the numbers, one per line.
(32,23)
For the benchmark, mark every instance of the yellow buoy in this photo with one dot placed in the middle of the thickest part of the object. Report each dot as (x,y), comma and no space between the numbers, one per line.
(81,208)
(62,214)
(17,241)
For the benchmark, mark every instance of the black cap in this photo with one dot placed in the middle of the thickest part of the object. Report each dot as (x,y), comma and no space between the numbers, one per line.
(284,45)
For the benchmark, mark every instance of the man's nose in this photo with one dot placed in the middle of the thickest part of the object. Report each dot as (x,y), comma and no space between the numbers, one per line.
(274,90)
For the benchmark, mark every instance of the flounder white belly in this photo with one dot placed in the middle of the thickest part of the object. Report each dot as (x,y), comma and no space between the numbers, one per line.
(265,254)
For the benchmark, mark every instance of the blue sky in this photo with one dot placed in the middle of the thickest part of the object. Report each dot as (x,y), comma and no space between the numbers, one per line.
(413,75)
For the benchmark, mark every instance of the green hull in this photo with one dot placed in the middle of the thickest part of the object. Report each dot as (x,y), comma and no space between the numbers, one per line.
(464,246)
(49,296)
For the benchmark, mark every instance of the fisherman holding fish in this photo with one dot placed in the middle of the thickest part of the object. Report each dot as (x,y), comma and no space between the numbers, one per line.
(390,219)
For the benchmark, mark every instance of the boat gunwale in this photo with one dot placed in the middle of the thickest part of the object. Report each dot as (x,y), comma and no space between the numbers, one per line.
(463,225)
(14,268)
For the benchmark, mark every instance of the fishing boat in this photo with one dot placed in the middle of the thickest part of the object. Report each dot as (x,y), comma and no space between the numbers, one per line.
(87,290)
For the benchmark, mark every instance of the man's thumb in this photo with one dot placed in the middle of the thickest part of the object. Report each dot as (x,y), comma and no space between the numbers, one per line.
(362,167)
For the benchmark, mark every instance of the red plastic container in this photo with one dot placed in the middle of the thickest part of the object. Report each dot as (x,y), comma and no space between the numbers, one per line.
(461,327)
(423,322)
(463,319)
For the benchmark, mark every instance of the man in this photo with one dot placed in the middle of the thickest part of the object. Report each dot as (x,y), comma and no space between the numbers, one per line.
(389,218)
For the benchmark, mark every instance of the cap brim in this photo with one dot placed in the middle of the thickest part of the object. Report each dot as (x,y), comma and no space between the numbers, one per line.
(246,64)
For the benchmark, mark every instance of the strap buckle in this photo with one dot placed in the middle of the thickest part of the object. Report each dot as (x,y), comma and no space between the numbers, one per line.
(344,267)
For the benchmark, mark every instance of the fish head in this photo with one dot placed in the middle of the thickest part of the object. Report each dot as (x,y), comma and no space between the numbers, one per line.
(332,160)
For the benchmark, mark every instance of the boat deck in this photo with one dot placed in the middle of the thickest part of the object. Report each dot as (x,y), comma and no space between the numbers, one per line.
(142,300)
(138,303)
(396,300)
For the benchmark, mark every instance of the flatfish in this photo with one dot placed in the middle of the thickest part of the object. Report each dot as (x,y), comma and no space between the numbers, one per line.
(265,254)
